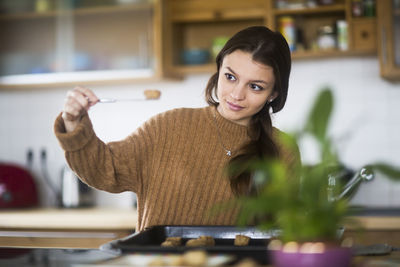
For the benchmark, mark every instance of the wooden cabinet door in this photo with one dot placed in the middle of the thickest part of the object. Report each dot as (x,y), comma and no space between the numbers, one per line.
(196,24)
(388,12)
(364,34)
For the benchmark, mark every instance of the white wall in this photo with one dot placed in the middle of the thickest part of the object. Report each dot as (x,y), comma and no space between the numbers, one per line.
(366,107)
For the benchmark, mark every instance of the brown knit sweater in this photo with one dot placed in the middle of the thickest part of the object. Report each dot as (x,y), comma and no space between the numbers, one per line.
(174,163)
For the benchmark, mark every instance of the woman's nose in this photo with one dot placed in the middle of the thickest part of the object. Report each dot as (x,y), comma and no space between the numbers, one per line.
(238,92)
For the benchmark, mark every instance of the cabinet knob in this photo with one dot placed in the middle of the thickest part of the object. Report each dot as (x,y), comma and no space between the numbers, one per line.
(217,14)
(365,34)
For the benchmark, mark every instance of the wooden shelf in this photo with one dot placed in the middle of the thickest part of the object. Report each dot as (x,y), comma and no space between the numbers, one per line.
(211,68)
(26,81)
(310,10)
(330,54)
(96,10)
(226,16)
(114,9)
(187,69)
(363,19)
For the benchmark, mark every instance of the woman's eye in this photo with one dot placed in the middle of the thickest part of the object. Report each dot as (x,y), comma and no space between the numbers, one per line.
(230,77)
(256,87)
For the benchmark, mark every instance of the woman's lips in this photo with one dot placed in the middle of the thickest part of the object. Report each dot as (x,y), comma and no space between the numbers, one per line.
(233,106)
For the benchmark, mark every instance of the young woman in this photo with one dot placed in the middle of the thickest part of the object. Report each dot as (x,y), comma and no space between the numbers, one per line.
(176,162)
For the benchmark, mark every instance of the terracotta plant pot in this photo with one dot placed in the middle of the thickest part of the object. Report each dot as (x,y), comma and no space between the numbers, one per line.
(328,257)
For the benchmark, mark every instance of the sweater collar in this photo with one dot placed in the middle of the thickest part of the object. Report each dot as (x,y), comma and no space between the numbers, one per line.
(225,125)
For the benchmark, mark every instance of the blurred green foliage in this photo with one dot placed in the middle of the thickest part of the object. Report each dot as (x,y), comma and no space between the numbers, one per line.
(301,205)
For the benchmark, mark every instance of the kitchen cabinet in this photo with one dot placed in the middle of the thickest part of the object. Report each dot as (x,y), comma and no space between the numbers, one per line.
(389,38)
(324,30)
(51,43)
(196,24)
(56,42)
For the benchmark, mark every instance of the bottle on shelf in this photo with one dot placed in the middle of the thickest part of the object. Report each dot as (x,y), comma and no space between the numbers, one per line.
(369,8)
(288,30)
(342,32)
(326,38)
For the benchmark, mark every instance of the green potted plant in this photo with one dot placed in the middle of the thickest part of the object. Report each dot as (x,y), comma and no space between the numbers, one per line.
(303,203)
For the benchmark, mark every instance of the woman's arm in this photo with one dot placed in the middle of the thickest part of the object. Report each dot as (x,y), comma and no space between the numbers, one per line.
(113,167)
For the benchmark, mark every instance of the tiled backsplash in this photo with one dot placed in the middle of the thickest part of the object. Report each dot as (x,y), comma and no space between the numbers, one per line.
(366,122)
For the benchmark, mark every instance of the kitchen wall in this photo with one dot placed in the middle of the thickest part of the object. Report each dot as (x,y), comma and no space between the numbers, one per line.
(366,121)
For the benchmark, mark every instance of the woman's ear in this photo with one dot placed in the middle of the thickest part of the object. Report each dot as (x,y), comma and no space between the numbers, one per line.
(272,97)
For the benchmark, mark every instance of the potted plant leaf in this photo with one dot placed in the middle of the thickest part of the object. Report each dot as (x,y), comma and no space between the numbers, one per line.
(304,204)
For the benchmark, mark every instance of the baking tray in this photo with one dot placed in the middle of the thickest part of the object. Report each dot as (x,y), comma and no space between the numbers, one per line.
(149,241)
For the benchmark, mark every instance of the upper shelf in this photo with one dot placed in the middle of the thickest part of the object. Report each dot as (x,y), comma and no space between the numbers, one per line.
(95,10)
(57,79)
(310,10)
(298,55)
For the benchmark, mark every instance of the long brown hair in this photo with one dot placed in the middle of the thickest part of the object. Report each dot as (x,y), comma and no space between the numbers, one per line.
(271,49)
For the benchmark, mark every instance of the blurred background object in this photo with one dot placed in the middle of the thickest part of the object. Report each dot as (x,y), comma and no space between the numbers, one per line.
(195,56)
(17,188)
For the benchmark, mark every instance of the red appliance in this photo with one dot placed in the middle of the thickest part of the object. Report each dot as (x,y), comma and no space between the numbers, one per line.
(17,188)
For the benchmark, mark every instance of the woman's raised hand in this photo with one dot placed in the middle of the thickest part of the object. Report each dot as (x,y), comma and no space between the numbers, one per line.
(77,103)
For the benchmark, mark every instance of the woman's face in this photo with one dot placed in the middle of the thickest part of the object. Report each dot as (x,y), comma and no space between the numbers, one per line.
(244,86)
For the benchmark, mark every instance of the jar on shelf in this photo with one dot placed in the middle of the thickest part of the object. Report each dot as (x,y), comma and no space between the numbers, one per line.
(326,38)
(357,8)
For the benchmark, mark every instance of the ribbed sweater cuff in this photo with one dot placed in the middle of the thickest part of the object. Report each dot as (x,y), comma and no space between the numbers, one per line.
(76,139)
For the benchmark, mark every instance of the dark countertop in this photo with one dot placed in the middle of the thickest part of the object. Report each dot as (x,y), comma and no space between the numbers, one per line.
(22,257)
(377,211)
